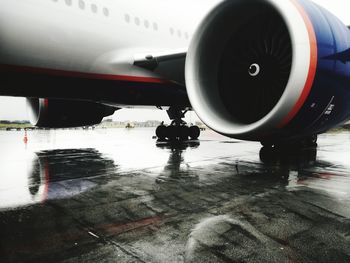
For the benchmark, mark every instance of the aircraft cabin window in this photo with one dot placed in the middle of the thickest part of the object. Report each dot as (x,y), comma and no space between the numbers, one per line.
(146,23)
(127,18)
(105,11)
(155,26)
(137,21)
(81,4)
(94,8)
(68,2)
(172,31)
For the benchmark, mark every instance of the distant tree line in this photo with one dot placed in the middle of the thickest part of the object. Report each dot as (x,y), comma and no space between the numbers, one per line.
(14,122)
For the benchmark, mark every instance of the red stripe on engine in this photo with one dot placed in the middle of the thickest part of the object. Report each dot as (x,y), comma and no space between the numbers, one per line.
(312,67)
(46,104)
(73,74)
(45,112)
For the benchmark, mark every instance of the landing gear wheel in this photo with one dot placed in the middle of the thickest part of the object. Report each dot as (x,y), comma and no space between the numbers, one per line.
(266,144)
(172,132)
(194,132)
(184,132)
(313,140)
(161,132)
(305,142)
(309,141)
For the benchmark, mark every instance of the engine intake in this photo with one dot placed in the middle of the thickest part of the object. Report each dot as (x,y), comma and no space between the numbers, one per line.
(255,66)
(249,66)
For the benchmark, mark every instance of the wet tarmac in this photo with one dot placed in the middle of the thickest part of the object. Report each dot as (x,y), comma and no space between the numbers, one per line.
(118,196)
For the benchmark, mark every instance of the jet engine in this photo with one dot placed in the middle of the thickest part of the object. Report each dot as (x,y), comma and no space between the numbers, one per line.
(270,70)
(56,113)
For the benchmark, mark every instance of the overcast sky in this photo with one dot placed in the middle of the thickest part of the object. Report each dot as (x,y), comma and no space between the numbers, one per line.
(14,108)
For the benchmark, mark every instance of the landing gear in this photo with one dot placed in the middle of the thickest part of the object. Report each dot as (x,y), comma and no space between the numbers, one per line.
(178,130)
(299,157)
(310,141)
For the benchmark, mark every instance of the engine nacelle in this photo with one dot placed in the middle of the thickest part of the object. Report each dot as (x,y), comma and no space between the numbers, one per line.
(56,113)
(270,70)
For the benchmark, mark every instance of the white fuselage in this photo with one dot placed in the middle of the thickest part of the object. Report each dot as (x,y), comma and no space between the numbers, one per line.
(95,36)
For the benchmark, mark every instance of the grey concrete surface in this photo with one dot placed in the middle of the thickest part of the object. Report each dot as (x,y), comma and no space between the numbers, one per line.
(118,196)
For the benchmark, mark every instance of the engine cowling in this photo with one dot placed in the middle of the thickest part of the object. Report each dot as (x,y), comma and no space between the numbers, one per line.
(56,113)
(270,70)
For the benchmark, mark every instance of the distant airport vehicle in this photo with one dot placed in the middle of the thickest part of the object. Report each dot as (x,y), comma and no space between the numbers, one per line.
(274,71)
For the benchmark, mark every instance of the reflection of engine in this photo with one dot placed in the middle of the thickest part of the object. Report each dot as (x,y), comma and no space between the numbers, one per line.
(60,174)
(55,113)
(269,69)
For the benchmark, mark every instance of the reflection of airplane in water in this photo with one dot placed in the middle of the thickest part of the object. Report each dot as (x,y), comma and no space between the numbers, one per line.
(60,174)
(300,169)
(293,168)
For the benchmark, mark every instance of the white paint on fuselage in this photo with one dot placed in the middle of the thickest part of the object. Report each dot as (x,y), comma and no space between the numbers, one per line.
(56,35)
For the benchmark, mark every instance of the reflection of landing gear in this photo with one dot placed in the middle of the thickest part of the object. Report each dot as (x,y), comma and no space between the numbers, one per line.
(176,171)
(293,144)
(178,129)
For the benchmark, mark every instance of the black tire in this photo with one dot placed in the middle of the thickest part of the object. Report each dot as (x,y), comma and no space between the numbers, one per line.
(314,140)
(194,132)
(171,133)
(161,132)
(266,144)
(310,141)
(184,133)
(268,155)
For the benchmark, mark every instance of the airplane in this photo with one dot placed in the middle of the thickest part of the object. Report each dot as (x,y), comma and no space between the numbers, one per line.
(272,71)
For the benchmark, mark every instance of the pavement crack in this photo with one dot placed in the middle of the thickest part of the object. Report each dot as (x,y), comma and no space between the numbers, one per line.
(326,210)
